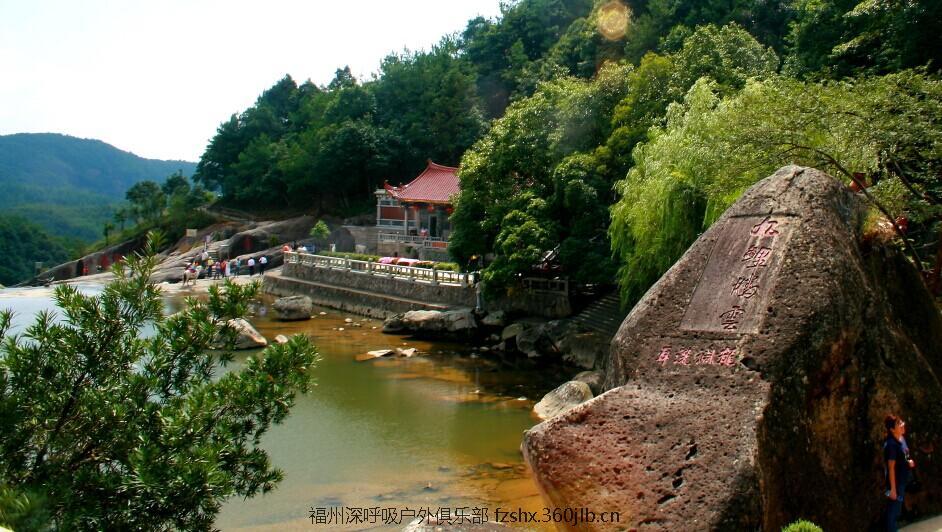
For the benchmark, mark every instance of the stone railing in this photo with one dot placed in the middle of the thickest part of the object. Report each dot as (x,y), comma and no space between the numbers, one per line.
(406,273)
(415,240)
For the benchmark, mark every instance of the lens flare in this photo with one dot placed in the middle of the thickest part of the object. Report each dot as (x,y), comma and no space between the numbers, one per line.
(613,20)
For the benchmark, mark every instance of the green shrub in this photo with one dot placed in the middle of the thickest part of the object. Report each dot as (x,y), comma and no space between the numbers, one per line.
(802,526)
(448,266)
(348,255)
(320,230)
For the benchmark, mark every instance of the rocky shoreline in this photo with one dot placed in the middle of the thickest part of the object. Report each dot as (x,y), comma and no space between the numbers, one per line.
(496,334)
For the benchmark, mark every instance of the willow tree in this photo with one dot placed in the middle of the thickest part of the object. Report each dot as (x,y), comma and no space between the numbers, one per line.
(884,130)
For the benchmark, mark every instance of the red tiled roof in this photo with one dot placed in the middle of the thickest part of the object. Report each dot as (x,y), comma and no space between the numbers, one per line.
(435,184)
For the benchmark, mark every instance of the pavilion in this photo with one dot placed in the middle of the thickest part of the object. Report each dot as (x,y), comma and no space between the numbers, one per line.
(412,220)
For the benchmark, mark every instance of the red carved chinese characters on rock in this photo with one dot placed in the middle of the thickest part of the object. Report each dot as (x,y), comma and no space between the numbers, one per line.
(689,357)
(756,257)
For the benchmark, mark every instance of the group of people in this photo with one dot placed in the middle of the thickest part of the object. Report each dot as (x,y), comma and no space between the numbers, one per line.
(297,248)
(222,269)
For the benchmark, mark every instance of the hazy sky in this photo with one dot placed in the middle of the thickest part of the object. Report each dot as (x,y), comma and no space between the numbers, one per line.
(157,77)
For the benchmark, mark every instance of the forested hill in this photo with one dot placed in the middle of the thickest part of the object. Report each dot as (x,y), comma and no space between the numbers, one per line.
(67,184)
(614,131)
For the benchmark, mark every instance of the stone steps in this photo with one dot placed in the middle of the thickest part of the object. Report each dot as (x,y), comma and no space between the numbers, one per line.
(603,316)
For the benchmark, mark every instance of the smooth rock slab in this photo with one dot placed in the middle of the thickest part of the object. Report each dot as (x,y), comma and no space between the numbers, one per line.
(592,378)
(247,337)
(431,322)
(564,398)
(378,353)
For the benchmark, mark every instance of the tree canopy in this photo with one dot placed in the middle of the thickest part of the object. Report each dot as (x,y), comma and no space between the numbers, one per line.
(712,148)
(544,107)
(104,427)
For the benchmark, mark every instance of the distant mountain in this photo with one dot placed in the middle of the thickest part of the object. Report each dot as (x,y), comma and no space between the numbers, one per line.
(68,185)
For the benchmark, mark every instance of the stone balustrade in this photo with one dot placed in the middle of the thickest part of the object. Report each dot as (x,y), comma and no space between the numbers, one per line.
(395,271)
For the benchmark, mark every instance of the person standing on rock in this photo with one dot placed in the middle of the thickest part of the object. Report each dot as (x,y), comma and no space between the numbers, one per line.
(262,262)
(896,470)
(251,266)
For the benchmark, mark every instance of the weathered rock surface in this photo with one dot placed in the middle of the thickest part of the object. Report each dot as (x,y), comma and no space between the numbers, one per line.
(432,322)
(498,318)
(281,339)
(247,337)
(748,387)
(247,240)
(511,331)
(556,339)
(262,236)
(594,379)
(564,398)
(584,349)
(293,308)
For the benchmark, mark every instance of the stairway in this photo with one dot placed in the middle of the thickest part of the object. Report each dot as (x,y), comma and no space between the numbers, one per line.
(603,316)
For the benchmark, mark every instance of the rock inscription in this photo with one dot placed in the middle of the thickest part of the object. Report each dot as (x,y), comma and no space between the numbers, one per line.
(739,275)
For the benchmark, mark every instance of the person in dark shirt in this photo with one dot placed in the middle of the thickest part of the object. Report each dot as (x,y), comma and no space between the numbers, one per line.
(896,471)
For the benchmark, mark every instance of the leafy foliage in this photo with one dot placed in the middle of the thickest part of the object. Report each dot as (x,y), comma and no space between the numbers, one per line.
(570,105)
(110,429)
(712,148)
(836,38)
(320,230)
(22,244)
(802,526)
(568,144)
(534,183)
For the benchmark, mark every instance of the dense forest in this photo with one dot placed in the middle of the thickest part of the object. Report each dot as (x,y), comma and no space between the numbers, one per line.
(63,193)
(22,244)
(614,132)
(69,186)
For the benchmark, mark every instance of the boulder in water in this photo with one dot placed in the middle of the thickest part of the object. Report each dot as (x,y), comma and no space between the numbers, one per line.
(748,387)
(293,308)
(246,335)
(564,398)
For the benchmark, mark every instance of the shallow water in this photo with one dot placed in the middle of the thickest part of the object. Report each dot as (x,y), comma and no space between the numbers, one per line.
(439,430)
(403,436)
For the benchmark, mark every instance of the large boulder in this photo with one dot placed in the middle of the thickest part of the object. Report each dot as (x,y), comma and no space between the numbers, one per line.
(293,308)
(432,323)
(585,349)
(247,337)
(748,387)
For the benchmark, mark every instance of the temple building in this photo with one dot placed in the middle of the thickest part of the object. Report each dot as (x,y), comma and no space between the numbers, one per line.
(412,220)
